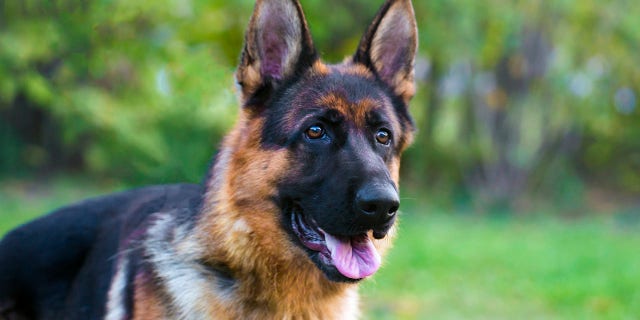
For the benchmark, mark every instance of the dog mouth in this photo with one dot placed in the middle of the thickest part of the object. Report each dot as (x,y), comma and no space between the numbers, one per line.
(354,257)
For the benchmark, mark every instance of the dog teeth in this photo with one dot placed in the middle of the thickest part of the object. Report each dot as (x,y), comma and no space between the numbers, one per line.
(306,232)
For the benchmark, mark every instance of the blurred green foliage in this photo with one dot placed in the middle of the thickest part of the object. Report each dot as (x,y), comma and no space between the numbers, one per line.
(518,100)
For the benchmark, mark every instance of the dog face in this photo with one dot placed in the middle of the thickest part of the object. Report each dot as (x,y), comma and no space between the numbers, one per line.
(344,132)
(334,134)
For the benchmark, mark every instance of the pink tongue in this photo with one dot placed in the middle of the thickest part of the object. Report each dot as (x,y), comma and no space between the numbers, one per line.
(354,257)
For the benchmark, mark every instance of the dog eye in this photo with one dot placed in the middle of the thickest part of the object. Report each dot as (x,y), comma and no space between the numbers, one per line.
(315,132)
(383,136)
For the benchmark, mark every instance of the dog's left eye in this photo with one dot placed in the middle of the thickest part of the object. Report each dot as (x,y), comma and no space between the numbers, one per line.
(315,132)
(383,136)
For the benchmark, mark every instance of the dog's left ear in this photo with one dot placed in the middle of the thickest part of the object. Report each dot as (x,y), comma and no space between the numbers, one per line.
(389,47)
(277,46)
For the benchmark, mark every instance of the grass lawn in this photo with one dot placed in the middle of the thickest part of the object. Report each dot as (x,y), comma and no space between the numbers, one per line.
(23,200)
(452,266)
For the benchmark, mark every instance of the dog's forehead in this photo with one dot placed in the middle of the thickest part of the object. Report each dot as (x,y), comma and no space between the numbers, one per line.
(350,90)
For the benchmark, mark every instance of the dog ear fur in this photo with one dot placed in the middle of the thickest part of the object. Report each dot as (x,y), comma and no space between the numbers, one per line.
(278,45)
(389,46)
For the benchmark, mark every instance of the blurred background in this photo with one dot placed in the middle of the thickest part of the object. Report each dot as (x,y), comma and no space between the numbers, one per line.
(521,194)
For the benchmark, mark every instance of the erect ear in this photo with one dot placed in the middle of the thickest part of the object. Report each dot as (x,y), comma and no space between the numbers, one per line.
(389,47)
(277,45)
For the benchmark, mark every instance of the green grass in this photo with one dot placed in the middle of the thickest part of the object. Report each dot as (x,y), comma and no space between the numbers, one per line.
(446,266)
(23,200)
(455,267)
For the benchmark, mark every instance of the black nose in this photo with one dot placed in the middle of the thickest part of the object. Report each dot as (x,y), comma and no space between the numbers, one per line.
(377,204)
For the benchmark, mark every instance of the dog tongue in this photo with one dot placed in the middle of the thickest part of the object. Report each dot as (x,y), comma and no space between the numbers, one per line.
(355,257)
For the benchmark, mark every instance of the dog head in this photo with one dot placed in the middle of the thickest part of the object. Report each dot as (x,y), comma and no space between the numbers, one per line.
(323,142)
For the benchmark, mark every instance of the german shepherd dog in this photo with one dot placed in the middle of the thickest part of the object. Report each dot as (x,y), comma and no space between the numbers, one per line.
(298,206)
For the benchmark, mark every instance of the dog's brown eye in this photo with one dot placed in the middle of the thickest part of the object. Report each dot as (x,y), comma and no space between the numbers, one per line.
(383,136)
(315,132)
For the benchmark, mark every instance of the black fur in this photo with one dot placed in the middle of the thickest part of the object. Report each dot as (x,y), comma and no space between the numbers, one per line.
(49,267)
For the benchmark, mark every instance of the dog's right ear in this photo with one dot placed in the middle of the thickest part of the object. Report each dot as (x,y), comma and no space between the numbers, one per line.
(389,47)
(277,46)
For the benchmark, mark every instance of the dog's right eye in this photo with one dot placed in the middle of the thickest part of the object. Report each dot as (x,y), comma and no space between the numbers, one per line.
(315,132)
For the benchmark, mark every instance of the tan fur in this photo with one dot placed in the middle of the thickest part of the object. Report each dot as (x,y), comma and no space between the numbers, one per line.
(249,80)
(320,68)
(353,111)
(347,67)
(148,305)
